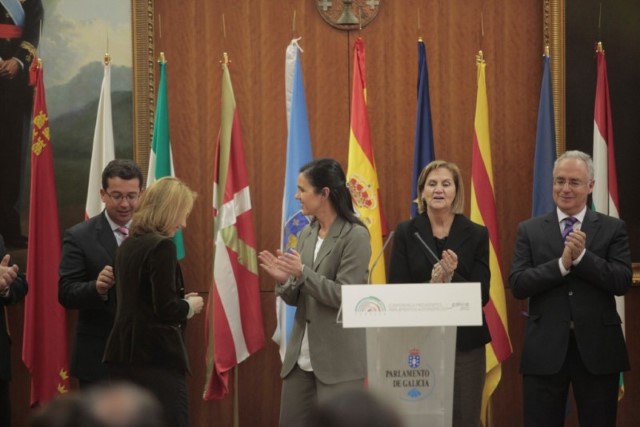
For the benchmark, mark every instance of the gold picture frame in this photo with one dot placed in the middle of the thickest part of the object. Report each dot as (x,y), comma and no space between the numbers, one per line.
(142,15)
(554,37)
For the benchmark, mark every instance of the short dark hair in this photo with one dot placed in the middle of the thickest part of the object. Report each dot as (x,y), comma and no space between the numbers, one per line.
(121,168)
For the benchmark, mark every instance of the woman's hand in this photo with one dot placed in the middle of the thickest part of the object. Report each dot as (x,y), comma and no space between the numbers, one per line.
(195,302)
(291,263)
(442,271)
(271,264)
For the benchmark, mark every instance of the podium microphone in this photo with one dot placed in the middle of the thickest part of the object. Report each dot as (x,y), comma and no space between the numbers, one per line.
(433,255)
(375,262)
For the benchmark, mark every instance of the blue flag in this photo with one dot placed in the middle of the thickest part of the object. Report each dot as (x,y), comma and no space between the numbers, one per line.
(545,156)
(298,154)
(423,150)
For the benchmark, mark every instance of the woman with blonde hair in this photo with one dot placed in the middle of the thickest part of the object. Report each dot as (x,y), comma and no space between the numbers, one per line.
(146,345)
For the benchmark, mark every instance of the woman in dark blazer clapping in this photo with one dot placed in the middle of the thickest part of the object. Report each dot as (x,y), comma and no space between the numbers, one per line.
(322,358)
(464,250)
(146,345)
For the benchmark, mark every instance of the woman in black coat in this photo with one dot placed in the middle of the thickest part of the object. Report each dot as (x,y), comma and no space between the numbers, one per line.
(146,345)
(464,250)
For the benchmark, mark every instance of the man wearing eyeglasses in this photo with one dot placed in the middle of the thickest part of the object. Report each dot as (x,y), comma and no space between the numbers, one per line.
(86,274)
(570,264)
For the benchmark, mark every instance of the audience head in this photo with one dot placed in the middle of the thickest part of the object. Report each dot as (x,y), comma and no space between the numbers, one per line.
(457,204)
(572,181)
(327,178)
(106,405)
(163,208)
(121,187)
(123,405)
(65,410)
(353,409)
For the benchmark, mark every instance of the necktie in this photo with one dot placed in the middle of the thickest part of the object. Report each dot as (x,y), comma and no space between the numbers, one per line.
(124,231)
(568,227)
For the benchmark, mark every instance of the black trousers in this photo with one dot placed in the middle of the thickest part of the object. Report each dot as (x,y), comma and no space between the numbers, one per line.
(169,386)
(596,396)
(5,404)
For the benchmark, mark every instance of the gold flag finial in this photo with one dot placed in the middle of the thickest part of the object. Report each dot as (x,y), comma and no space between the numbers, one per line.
(480,57)
(599,48)
(107,58)
(163,58)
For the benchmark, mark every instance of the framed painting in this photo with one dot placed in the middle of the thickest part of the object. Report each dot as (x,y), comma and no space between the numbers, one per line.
(76,35)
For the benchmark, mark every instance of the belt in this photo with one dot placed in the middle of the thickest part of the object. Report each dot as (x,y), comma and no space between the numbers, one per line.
(8,31)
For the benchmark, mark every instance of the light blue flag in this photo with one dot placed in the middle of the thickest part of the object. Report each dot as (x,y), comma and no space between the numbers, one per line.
(423,152)
(545,155)
(298,154)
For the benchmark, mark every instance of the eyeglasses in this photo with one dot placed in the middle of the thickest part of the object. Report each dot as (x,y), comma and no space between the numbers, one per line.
(573,183)
(118,197)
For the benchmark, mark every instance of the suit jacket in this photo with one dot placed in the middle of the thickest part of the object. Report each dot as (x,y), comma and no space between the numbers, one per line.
(151,313)
(337,354)
(86,249)
(412,263)
(584,296)
(16,294)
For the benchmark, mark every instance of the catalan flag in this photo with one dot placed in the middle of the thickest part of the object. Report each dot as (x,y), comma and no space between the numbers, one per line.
(483,211)
(362,177)
(44,348)
(605,189)
(233,327)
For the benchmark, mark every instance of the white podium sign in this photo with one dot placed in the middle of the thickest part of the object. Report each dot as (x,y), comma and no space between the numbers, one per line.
(405,305)
(411,343)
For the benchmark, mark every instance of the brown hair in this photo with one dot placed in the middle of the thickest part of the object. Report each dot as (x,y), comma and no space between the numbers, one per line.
(458,202)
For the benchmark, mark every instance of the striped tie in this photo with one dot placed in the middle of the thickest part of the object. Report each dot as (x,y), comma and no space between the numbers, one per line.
(568,227)
(124,231)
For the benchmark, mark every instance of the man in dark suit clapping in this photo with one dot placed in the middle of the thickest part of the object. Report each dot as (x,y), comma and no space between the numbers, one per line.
(570,264)
(86,272)
(13,287)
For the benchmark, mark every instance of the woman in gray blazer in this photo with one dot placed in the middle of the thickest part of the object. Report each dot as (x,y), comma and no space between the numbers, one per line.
(322,359)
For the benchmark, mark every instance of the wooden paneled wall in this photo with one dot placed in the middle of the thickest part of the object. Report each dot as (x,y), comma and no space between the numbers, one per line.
(257,32)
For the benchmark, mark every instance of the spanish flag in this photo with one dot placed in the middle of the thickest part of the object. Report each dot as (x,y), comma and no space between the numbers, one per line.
(483,211)
(362,177)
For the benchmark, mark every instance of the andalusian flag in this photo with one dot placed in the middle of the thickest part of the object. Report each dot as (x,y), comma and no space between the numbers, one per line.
(44,347)
(298,154)
(483,211)
(103,147)
(233,327)
(362,177)
(161,158)
(605,189)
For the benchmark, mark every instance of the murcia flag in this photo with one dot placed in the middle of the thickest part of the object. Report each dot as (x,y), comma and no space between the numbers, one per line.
(44,347)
